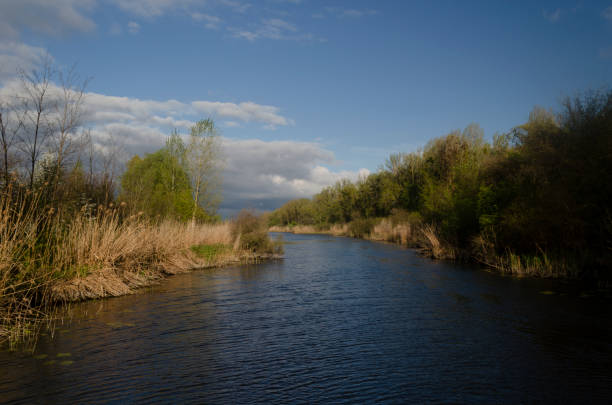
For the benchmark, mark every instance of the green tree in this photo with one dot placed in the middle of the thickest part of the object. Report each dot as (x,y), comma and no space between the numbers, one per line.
(158,185)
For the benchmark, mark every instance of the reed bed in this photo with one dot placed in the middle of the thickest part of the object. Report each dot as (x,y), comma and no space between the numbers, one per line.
(108,257)
(49,257)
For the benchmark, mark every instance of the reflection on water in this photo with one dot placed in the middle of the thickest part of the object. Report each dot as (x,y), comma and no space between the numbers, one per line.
(339,320)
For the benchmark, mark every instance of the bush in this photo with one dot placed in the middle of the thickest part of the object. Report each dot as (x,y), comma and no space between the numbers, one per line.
(361,227)
(251,232)
(400,216)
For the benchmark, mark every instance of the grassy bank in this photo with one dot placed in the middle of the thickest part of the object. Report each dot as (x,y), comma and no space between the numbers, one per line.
(426,239)
(52,258)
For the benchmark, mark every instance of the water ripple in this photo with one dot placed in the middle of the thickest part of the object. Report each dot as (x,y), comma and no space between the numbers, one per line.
(338,321)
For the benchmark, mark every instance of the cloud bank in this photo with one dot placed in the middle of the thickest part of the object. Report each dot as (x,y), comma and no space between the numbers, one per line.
(263,175)
(15,55)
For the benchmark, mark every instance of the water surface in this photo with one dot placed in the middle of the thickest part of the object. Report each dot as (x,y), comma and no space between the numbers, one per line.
(338,320)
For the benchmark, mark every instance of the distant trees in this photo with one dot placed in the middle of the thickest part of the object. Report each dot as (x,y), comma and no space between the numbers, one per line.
(540,190)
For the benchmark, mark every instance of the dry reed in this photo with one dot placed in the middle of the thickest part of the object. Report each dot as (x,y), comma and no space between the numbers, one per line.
(46,257)
(387,231)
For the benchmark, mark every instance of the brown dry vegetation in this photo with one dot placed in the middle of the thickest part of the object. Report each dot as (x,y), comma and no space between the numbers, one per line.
(401,227)
(45,259)
(427,240)
(409,231)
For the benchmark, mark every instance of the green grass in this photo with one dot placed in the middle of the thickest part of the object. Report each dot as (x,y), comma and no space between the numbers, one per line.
(73,272)
(209,252)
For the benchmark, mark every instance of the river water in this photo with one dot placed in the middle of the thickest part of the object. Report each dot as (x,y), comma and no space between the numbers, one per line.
(338,320)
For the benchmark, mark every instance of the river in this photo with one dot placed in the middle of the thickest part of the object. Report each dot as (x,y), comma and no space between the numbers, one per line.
(338,320)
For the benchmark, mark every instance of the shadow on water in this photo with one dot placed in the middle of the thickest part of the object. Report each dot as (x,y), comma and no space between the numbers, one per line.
(338,320)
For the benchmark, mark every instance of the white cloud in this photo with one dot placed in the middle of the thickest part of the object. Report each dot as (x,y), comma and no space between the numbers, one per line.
(279,24)
(210,21)
(552,16)
(273,28)
(102,108)
(153,8)
(55,17)
(607,13)
(133,27)
(245,111)
(266,174)
(137,138)
(173,113)
(15,55)
(143,123)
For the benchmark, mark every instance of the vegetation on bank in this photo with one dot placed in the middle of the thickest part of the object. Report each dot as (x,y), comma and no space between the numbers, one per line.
(73,228)
(534,201)
(48,258)
(73,250)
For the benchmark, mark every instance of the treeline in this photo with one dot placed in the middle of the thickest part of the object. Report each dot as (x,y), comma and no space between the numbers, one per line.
(534,200)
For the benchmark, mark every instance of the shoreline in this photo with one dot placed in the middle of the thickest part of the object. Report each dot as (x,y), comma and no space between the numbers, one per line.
(115,282)
(110,283)
(424,239)
(102,257)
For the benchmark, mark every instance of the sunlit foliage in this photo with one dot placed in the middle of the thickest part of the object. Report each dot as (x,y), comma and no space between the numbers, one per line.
(542,190)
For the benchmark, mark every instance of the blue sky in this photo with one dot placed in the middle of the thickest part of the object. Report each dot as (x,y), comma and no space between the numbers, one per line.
(310,91)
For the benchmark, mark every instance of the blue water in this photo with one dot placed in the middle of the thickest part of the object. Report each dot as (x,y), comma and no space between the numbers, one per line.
(339,321)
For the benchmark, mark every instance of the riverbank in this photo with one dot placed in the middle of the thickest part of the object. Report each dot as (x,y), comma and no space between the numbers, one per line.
(425,239)
(530,202)
(46,261)
(174,248)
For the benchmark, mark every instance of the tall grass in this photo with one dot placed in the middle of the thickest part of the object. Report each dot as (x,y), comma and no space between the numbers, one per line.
(24,281)
(335,229)
(48,257)
(107,256)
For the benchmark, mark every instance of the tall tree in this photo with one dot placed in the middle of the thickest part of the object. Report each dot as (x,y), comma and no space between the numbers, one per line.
(202,159)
